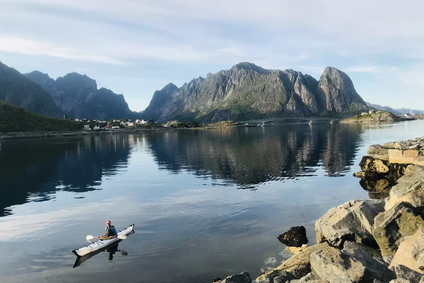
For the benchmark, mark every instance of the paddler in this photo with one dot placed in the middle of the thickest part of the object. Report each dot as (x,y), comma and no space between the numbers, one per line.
(110,231)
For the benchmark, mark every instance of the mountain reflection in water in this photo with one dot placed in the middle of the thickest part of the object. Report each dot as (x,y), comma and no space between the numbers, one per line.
(36,169)
(246,157)
(251,156)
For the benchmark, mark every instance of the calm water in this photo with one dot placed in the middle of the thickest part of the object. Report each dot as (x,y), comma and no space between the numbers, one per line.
(205,203)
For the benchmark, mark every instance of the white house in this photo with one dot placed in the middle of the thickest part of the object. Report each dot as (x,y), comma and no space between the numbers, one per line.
(86,127)
(140,121)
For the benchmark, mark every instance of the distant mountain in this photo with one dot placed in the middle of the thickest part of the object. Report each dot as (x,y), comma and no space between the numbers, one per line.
(247,91)
(17,89)
(77,96)
(14,118)
(399,111)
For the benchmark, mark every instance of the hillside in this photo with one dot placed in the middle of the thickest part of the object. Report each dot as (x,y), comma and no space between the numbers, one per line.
(247,91)
(17,89)
(77,96)
(399,111)
(376,117)
(13,118)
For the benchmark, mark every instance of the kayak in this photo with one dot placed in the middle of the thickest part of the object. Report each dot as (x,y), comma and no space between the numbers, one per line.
(103,243)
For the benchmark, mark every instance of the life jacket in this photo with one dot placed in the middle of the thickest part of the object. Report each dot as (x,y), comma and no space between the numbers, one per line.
(110,231)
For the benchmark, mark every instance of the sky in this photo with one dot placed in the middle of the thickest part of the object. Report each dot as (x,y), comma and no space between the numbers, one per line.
(137,47)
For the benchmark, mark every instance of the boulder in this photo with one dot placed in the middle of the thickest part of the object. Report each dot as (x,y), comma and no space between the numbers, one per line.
(351,221)
(412,174)
(294,237)
(349,246)
(369,165)
(243,277)
(308,278)
(390,226)
(298,265)
(295,250)
(411,253)
(411,194)
(378,151)
(404,273)
(333,265)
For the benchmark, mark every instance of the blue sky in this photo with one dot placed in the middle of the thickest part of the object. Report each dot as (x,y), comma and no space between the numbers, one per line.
(137,47)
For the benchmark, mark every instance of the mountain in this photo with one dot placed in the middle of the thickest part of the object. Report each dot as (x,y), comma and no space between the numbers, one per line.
(14,118)
(399,111)
(17,89)
(247,91)
(77,96)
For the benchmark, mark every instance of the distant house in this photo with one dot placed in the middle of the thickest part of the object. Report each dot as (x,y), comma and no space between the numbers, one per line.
(97,127)
(140,121)
(108,126)
(86,127)
(364,113)
(115,127)
(130,124)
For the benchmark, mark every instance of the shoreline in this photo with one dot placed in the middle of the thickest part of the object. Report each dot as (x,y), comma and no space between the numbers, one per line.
(215,126)
(368,240)
(48,134)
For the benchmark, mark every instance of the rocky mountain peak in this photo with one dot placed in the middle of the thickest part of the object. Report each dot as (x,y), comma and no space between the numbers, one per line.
(17,89)
(76,80)
(337,93)
(247,91)
(249,66)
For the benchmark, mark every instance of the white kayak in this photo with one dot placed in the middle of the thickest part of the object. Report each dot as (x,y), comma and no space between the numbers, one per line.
(103,243)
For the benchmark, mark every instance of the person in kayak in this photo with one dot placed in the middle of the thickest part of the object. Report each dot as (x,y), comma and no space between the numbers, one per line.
(110,231)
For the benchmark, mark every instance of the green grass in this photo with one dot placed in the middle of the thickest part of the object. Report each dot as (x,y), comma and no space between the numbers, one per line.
(16,119)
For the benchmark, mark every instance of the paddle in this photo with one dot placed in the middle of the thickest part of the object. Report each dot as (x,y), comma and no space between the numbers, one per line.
(89,237)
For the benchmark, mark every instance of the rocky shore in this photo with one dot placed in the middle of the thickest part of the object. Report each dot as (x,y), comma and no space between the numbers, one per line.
(371,240)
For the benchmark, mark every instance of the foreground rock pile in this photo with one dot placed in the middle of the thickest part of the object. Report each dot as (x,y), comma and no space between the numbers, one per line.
(385,164)
(374,240)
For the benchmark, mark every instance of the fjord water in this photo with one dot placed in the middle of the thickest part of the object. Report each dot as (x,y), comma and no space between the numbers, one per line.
(205,203)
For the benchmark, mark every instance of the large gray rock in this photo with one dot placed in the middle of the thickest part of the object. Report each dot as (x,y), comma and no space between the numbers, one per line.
(243,277)
(309,278)
(352,221)
(411,253)
(298,265)
(390,226)
(333,265)
(378,151)
(411,194)
(404,273)
(350,246)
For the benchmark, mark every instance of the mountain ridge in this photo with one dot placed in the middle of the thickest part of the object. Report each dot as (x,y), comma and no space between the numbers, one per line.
(78,96)
(247,91)
(398,111)
(17,89)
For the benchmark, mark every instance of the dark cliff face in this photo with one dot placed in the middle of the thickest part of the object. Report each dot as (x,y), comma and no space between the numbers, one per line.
(77,96)
(338,93)
(247,91)
(17,89)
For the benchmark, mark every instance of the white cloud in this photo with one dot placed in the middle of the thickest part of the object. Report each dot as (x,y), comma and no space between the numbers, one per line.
(33,47)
